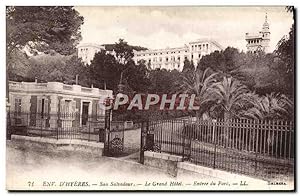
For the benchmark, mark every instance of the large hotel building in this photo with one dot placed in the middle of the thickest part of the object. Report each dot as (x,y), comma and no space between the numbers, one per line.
(173,58)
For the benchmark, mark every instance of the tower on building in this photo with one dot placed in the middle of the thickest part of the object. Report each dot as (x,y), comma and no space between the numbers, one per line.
(260,41)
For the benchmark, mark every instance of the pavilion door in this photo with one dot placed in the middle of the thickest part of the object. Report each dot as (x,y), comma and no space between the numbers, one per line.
(85,113)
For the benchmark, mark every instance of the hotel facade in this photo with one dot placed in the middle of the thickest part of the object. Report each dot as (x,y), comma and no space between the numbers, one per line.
(55,104)
(173,58)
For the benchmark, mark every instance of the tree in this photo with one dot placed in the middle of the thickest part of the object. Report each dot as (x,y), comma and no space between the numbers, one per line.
(199,83)
(43,28)
(269,107)
(58,68)
(39,29)
(230,95)
(137,77)
(162,81)
(124,52)
(285,53)
(225,62)
(19,66)
(118,71)
(74,66)
(188,66)
(105,70)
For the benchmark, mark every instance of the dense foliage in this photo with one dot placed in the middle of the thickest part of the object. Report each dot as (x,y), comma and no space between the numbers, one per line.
(228,84)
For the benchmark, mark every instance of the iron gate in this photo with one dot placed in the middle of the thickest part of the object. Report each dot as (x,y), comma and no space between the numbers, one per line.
(114,136)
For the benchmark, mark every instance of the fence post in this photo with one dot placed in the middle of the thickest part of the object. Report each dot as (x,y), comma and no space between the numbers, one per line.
(183,140)
(142,143)
(99,134)
(123,136)
(256,144)
(8,126)
(41,121)
(89,138)
(56,125)
(214,141)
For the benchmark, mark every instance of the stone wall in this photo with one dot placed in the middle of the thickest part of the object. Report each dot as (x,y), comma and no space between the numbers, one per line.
(163,161)
(175,166)
(60,145)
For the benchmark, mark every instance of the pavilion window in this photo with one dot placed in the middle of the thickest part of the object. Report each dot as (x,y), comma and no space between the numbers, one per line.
(18,106)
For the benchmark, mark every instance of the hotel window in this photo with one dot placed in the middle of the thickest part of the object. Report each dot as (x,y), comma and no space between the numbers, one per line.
(67,106)
(178,58)
(167,59)
(18,106)
(199,56)
(100,111)
(160,59)
(42,107)
(192,47)
(206,46)
(192,56)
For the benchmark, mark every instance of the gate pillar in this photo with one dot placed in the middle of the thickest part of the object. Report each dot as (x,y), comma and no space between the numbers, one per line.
(144,130)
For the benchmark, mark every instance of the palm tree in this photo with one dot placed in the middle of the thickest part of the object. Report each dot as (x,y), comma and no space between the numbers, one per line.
(198,83)
(231,96)
(269,107)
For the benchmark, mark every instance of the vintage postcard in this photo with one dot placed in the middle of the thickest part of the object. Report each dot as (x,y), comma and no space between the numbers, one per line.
(150,98)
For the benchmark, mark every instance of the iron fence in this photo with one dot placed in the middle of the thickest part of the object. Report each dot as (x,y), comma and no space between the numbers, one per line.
(82,127)
(58,125)
(263,149)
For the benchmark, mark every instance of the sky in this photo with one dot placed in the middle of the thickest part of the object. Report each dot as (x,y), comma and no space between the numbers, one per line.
(162,27)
